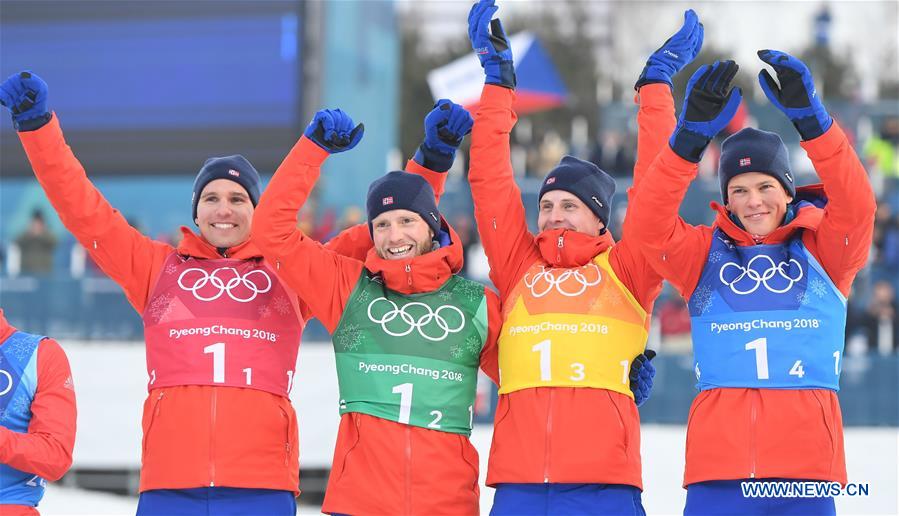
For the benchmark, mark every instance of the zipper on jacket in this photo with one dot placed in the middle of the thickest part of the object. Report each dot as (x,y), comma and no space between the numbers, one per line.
(494,223)
(408,501)
(409,273)
(549,429)
(753,414)
(95,244)
(212,440)
(559,252)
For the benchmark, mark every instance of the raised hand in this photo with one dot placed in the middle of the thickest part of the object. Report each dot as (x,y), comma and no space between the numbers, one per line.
(796,95)
(25,95)
(676,53)
(490,44)
(333,131)
(708,108)
(445,127)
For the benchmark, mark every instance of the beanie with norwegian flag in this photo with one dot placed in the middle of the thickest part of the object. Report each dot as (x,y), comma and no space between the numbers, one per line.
(753,150)
(403,191)
(233,168)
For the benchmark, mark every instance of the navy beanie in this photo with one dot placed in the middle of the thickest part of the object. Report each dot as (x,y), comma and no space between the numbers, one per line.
(235,168)
(403,191)
(753,150)
(586,181)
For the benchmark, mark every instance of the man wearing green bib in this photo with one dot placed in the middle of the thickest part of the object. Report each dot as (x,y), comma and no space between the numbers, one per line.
(409,335)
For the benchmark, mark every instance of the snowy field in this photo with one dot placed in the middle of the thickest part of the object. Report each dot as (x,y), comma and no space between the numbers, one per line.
(872,458)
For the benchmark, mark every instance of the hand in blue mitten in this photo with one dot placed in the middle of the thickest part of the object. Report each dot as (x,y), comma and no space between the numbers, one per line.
(445,126)
(25,95)
(796,96)
(333,131)
(490,44)
(676,53)
(641,375)
(708,108)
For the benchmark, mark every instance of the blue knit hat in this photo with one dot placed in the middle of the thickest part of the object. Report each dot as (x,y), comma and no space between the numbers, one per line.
(403,191)
(586,181)
(235,168)
(753,150)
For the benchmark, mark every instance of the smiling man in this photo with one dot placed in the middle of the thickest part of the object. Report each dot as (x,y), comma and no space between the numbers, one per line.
(409,334)
(219,431)
(766,286)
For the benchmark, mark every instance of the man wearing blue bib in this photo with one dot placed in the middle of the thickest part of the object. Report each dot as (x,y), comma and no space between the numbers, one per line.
(766,287)
(37,418)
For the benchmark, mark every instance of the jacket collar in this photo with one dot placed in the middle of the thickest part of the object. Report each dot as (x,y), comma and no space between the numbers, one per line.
(809,202)
(567,248)
(425,273)
(196,246)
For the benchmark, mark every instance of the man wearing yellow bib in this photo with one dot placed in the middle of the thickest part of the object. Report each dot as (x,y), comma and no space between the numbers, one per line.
(576,305)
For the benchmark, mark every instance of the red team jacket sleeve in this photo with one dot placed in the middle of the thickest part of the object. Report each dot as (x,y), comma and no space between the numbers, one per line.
(498,209)
(674,248)
(844,235)
(490,353)
(323,279)
(655,122)
(124,254)
(46,450)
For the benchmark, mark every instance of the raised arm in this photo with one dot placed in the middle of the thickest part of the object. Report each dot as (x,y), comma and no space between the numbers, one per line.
(844,236)
(323,279)
(667,240)
(445,126)
(124,254)
(46,449)
(498,208)
(655,123)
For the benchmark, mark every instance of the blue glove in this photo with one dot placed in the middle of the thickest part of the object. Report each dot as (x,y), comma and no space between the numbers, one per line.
(332,130)
(445,126)
(708,108)
(642,373)
(25,95)
(678,51)
(796,96)
(490,44)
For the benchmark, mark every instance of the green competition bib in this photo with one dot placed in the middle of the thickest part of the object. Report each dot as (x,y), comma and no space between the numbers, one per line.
(413,358)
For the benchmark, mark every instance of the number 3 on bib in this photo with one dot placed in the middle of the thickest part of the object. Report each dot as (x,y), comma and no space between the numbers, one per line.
(546,370)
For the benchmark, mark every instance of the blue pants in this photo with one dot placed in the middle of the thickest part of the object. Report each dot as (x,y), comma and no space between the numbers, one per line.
(721,497)
(216,501)
(568,499)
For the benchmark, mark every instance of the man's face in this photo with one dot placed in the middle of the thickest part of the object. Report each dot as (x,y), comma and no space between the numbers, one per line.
(561,209)
(224,213)
(759,201)
(399,234)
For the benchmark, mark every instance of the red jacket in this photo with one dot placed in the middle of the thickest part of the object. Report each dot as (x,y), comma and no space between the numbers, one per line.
(46,449)
(559,434)
(763,433)
(380,466)
(195,435)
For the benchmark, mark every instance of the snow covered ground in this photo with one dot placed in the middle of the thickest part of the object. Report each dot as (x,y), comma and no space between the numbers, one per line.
(872,458)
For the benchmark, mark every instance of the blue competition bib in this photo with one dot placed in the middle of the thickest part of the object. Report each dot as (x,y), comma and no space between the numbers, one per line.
(766,316)
(18,383)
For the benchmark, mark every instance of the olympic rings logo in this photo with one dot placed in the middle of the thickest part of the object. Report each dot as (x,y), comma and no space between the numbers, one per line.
(547,281)
(213,280)
(9,382)
(424,320)
(781,269)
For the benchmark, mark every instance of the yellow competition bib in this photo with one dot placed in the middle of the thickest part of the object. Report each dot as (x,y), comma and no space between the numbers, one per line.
(577,327)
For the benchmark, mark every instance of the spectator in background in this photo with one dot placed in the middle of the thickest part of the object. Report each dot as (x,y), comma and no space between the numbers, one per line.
(613,152)
(886,239)
(877,323)
(880,150)
(36,245)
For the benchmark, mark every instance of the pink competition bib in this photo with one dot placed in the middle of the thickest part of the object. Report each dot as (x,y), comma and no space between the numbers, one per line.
(221,322)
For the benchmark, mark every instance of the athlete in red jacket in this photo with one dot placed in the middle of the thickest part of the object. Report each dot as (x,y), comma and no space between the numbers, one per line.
(408,334)
(222,330)
(766,287)
(37,418)
(576,305)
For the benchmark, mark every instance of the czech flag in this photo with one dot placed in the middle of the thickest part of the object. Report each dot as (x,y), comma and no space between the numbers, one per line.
(539,85)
